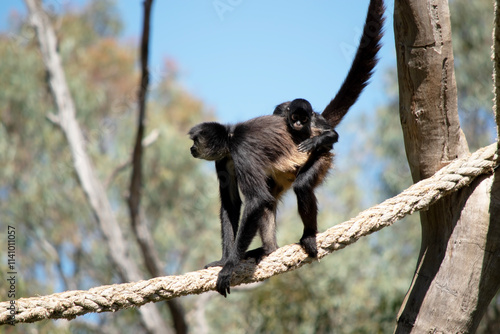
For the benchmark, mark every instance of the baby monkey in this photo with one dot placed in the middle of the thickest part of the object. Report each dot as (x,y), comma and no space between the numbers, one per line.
(310,127)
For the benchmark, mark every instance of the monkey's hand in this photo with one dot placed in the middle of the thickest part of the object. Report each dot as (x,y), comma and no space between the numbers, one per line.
(323,141)
(308,145)
(218,263)
(308,242)
(223,285)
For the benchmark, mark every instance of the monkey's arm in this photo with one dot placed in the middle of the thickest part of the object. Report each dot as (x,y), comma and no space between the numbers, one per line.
(324,140)
(309,177)
(230,207)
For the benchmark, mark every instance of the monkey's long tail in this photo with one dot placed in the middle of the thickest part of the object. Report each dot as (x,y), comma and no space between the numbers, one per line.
(362,66)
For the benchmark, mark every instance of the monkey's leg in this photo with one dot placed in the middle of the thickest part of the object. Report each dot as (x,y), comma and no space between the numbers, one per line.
(308,211)
(230,208)
(267,231)
(252,214)
(252,182)
(253,186)
(229,216)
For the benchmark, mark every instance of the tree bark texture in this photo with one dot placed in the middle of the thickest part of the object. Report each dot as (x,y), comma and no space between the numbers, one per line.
(458,270)
(91,185)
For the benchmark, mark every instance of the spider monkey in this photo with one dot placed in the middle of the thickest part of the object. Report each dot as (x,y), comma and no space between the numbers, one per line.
(260,159)
(257,160)
(299,117)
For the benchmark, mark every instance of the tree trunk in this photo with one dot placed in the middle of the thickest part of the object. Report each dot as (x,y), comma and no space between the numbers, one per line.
(458,270)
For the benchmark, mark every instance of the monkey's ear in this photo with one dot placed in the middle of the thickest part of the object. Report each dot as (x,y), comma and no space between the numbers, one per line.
(194,131)
(282,109)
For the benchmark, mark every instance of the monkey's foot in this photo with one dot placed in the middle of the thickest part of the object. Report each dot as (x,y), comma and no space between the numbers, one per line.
(308,242)
(258,254)
(218,263)
(223,285)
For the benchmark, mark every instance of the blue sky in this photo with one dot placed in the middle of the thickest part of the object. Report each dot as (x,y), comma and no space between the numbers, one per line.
(243,57)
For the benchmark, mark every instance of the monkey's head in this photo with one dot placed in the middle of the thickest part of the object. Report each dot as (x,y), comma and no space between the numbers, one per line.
(210,141)
(298,114)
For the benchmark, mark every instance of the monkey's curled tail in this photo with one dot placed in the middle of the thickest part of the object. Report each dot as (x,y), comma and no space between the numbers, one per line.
(362,66)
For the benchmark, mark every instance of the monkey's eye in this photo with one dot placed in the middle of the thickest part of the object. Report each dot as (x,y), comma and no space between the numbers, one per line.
(302,119)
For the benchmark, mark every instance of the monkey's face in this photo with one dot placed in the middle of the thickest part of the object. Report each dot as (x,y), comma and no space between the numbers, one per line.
(199,149)
(208,141)
(298,114)
(196,148)
(299,119)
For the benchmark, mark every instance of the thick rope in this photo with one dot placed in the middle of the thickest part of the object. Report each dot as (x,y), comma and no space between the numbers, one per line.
(110,298)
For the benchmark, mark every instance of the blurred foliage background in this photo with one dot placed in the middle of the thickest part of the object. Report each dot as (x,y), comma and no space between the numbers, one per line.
(59,247)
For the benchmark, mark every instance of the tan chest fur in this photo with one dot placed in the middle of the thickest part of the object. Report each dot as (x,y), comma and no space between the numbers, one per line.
(284,170)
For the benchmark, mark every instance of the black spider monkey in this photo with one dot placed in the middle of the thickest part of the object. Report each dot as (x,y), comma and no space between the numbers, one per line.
(261,159)
(300,124)
(257,160)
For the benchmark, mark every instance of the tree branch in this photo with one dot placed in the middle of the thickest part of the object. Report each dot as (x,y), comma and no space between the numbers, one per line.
(141,231)
(148,140)
(139,226)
